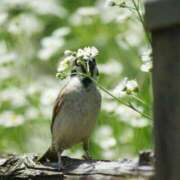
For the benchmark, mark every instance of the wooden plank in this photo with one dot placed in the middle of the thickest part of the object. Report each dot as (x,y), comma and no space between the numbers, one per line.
(162,14)
(163,18)
(166,83)
(27,167)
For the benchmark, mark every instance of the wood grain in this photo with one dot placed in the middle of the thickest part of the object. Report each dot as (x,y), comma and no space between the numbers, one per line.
(26,167)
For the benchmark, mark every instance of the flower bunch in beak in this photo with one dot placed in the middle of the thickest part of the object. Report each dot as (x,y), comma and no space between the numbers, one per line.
(82,58)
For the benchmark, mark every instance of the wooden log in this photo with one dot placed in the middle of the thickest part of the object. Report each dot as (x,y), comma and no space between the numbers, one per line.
(26,167)
(164,24)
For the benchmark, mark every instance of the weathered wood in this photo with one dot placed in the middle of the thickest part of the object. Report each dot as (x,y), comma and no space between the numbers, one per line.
(27,167)
(162,14)
(166,87)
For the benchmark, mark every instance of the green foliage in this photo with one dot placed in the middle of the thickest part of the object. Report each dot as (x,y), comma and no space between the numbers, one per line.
(33,37)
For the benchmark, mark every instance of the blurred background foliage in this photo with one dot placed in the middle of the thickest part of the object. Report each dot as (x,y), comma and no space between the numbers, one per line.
(33,37)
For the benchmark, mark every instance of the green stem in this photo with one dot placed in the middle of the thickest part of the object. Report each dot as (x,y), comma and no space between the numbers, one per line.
(138,99)
(116,98)
(138,111)
(122,102)
(142,21)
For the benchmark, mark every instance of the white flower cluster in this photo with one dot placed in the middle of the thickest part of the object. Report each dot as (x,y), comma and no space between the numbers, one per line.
(52,44)
(6,57)
(87,52)
(147,60)
(84,15)
(11,119)
(126,87)
(65,66)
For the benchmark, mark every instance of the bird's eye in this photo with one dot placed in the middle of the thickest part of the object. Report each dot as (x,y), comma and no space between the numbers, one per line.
(79,62)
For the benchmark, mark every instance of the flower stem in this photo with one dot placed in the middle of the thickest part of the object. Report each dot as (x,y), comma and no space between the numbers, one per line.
(136,7)
(116,98)
(122,102)
(139,100)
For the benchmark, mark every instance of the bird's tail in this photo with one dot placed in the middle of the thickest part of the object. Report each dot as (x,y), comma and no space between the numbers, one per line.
(49,156)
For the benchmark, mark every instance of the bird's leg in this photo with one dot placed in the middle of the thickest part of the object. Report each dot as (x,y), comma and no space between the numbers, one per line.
(60,164)
(86,150)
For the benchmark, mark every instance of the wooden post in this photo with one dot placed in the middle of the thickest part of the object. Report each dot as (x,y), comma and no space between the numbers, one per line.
(163,20)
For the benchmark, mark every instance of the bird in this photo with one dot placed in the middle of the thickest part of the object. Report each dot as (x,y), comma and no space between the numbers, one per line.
(75,111)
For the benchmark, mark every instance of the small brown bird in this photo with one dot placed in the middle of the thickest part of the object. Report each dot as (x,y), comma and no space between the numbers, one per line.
(75,111)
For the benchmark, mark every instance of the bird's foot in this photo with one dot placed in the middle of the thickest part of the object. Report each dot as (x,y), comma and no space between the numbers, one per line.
(60,167)
(60,163)
(87,157)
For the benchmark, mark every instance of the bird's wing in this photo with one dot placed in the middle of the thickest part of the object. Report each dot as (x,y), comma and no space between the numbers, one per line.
(57,106)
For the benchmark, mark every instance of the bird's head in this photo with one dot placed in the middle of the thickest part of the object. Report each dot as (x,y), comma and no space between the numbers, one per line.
(80,63)
(85,66)
(85,62)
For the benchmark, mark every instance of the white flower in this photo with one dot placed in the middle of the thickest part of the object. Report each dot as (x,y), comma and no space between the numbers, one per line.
(126,114)
(147,66)
(5,73)
(131,117)
(6,57)
(87,52)
(68,52)
(65,67)
(109,106)
(104,131)
(111,68)
(87,11)
(131,86)
(14,3)
(107,143)
(83,15)
(110,3)
(105,137)
(119,89)
(125,87)
(61,32)
(81,55)
(53,43)
(140,123)
(10,119)
(24,23)
(146,57)
(32,113)
(123,17)
(146,54)
(50,45)
(3,17)
(48,7)
(15,96)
